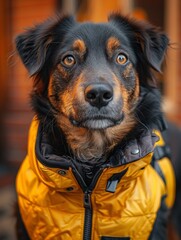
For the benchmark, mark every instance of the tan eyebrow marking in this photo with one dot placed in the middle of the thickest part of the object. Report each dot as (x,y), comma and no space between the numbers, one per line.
(79,45)
(112,44)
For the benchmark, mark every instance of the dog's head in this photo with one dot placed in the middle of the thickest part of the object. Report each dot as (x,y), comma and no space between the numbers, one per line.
(91,74)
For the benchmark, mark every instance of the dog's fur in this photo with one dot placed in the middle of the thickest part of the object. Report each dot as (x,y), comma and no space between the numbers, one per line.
(65,58)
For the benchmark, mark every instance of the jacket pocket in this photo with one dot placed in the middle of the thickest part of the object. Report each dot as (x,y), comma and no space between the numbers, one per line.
(115,238)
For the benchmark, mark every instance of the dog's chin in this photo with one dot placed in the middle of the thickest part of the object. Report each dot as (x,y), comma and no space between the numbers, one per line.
(97,124)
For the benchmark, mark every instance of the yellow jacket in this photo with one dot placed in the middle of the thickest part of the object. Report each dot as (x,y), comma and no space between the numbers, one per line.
(126,200)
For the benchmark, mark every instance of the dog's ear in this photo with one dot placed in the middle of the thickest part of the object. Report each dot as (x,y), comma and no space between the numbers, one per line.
(36,44)
(145,37)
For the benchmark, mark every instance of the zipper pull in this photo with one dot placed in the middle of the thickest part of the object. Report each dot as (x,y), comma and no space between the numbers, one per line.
(87,200)
(111,185)
(114,180)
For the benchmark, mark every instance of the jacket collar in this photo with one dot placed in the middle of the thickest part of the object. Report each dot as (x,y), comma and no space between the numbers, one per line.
(127,152)
(130,157)
(134,149)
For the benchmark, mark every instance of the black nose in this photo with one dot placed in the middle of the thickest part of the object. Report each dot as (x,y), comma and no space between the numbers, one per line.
(98,95)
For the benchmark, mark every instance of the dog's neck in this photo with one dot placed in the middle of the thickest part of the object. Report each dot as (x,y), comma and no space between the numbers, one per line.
(94,145)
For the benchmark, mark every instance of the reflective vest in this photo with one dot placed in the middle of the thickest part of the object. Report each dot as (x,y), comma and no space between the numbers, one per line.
(129,196)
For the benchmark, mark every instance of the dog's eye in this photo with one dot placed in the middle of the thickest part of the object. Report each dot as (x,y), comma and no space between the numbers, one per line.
(68,61)
(121,58)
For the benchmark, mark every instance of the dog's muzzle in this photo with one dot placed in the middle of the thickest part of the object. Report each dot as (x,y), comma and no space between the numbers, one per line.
(101,111)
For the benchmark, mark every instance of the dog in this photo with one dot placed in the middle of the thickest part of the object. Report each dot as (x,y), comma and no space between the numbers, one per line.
(96,166)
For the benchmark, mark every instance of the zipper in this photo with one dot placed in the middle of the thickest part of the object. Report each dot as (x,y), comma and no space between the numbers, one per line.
(87,200)
(88,216)
(88,206)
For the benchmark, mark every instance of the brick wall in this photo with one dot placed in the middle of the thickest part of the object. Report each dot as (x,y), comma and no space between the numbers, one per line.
(179,73)
(18,113)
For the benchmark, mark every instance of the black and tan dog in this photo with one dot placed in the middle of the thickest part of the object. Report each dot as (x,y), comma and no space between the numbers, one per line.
(90,172)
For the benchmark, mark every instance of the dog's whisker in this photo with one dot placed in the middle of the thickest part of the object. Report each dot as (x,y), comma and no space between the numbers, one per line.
(137,118)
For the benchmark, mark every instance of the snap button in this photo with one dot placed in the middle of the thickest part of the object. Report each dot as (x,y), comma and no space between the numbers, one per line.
(69,189)
(62,172)
(135,151)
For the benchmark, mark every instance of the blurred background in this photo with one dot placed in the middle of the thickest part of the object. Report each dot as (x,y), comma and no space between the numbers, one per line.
(15,85)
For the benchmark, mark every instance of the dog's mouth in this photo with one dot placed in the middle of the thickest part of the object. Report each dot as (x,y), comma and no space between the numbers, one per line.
(97,122)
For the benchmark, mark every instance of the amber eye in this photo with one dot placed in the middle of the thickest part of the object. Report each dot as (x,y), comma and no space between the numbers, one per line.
(121,58)
(68,61)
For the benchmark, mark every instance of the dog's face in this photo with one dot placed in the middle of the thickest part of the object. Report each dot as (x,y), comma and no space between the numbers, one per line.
(94,82)
(91,74)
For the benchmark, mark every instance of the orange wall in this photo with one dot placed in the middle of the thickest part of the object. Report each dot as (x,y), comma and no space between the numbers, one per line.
(98,11)
(18,111)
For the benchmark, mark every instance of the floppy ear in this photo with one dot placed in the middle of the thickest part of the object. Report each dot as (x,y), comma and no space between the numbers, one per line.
(36,45)
(152,42)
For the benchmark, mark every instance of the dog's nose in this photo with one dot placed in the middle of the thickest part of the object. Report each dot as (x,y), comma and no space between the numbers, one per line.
(98,95)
